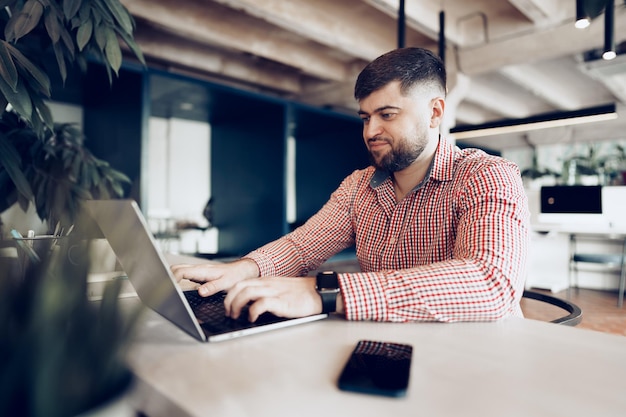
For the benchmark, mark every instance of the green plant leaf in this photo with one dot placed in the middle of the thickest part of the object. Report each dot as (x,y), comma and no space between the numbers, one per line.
(18,98)
(68,41)
(7,67)
(70,8)
(36,123)
(43,110)
(53,26)
(118,176)
(95,177)
(97,18)
(85,11)
(73,132)
(44,199)
(101,192)
(32,70)
(28,19)
(83,35)
(82,193)
(55,7)
(120,14)
(102,14)
(23,201)
(113,51)
(117,188)
(10,160)
(109,74)
(58,53)
(9,30)
(101,36)
(133,46)
(75,22)
(76,168)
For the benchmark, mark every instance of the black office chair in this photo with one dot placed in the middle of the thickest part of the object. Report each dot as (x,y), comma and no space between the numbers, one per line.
(609,261)
(574,316)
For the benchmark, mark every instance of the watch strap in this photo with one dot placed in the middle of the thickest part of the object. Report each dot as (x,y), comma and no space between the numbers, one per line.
(329,301)
(327,286)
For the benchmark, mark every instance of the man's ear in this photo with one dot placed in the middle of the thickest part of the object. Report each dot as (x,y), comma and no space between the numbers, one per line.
(437,105)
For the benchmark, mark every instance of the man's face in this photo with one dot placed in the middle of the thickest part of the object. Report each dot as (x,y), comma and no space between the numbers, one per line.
(395,127)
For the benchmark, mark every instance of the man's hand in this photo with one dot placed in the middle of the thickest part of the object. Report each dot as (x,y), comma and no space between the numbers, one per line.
(216,277)
(284,297)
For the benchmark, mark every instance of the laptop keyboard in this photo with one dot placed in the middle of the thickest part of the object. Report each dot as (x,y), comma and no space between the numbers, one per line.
(206,308)
(210,313)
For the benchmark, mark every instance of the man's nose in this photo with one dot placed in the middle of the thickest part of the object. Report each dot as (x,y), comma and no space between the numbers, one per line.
(372,129)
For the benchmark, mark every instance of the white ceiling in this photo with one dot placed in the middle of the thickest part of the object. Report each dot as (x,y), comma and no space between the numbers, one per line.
(506,59)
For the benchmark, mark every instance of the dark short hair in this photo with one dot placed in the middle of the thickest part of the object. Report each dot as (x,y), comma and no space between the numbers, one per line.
(410,66)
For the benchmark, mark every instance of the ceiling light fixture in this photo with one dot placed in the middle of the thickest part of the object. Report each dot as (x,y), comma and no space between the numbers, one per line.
(541,121)
(583,19)
(609,29)
(401,25)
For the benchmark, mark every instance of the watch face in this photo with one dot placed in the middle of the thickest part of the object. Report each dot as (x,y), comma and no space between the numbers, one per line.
(327,281)
(327,286)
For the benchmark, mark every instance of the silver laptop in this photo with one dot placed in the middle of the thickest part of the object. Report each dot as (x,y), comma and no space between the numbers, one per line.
(123,225)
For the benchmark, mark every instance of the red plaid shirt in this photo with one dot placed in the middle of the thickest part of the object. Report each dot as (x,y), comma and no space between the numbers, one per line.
(454,249)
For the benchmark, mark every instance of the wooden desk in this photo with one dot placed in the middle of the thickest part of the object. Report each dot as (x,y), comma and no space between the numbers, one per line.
(512,368)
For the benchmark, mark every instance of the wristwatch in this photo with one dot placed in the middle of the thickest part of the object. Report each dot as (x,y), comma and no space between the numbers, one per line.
(327,286)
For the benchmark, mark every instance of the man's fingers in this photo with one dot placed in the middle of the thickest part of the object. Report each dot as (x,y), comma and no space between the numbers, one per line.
(179,271)
(217,277)
(211,287)
(243,293)
(204,274)
(196,273)
(266,305)
(282,296)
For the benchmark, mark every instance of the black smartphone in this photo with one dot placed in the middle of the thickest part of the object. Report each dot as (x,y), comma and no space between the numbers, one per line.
(380,368)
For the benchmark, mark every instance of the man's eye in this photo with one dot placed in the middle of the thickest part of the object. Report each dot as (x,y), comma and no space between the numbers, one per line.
(365,119)
(387,115)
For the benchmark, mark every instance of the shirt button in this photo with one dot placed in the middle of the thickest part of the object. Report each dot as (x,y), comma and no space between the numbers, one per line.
(392,240)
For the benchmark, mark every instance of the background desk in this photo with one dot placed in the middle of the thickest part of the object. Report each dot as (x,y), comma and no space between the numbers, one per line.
(550,256)
(512,368)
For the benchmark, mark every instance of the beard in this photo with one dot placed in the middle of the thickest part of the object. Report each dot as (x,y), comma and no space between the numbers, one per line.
(400,156)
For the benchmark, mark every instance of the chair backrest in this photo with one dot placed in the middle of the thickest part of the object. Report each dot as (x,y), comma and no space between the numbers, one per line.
(574,315)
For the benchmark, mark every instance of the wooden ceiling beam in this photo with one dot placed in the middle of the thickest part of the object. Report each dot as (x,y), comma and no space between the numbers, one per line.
(354,28)
(558,41)
(542,12)
(182,54)
(214,24)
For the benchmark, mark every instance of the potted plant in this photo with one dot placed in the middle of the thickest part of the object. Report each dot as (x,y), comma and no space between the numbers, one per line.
(596,169)
(56,169)
(42,162)
(534,172)
(614,165)
(583,169)
(60,354)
